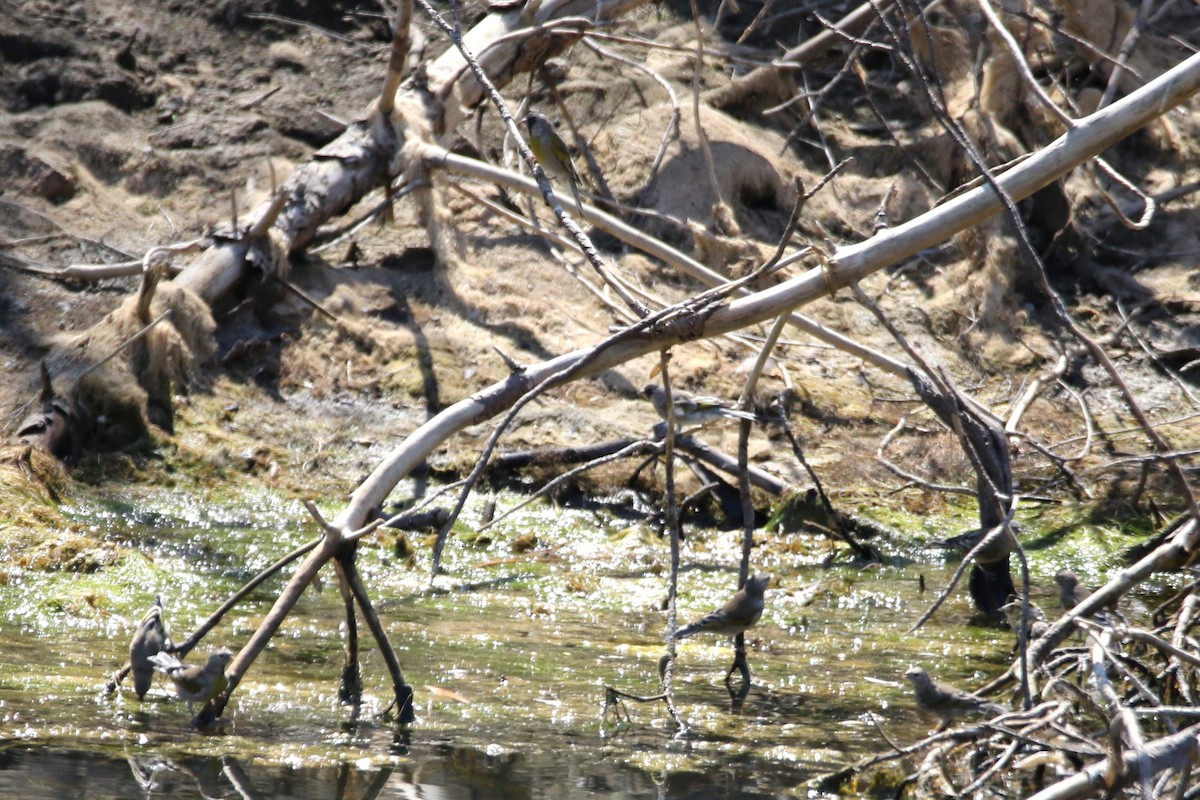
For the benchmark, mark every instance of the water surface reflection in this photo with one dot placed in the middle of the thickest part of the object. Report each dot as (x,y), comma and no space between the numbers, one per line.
(438,772)
(509,655)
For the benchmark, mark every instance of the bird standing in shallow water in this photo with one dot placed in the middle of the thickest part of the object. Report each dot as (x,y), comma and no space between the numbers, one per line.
(1037,618)
(151,638)
(943,701)
(690,410)
(739,614)
(195,683)
(1071,593)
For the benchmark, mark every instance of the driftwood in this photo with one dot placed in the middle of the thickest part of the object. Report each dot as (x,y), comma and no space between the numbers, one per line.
(846,265)
(1133,682)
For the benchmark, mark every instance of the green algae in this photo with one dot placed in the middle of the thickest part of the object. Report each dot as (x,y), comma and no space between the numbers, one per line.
(506,651)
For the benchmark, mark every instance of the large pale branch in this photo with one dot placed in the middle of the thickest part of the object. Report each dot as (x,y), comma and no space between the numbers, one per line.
(1169,752)
(371,150)
(503,55)
(848,264)
(368,154)
(763,80)
(657,248)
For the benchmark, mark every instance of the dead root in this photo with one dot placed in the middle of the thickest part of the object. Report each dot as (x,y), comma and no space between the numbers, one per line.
(123,372)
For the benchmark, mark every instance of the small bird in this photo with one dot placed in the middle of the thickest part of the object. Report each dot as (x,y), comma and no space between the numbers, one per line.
(691,410)
(152,637)
(1071,593)
(943,701)
(1037,617)
(736,616)
(1000,543)
(552,153)
(195,683)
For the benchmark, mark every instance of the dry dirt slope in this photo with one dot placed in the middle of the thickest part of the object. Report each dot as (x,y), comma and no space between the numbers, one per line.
(124,133)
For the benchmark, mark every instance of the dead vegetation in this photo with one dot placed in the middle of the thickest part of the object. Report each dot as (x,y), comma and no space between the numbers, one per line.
(1097,704)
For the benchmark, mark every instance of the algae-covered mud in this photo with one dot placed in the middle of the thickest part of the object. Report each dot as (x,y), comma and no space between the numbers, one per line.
(510,652)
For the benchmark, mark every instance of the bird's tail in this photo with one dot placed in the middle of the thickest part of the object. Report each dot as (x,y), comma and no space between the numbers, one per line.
(1110,617)
(158,612)
(733,413)
(575,193)
(155,611)
(687,630)
(992,709)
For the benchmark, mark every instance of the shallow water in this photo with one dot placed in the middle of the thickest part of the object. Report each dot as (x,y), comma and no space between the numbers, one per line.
(509,654)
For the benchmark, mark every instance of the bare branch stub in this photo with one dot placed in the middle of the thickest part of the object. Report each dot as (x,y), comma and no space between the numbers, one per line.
(987,445)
